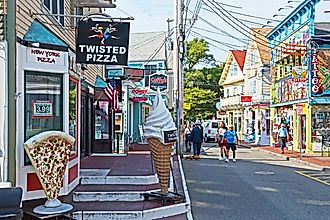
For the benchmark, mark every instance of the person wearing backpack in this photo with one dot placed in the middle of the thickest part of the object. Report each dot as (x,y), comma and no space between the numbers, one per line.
(231,141)
(197,139)
(282,136)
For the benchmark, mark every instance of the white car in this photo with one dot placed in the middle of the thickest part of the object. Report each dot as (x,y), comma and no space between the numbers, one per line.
(210,130)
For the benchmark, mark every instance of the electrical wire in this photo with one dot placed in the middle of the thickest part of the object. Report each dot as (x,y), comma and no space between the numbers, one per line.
(234,24)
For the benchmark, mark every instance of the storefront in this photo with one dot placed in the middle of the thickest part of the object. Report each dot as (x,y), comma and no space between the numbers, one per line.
(291,88)
(48,98)
(257,121)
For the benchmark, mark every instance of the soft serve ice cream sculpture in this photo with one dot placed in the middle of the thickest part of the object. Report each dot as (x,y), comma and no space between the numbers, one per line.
(157,123)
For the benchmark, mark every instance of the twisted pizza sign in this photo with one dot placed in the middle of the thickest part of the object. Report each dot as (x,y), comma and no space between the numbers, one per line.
(102,43)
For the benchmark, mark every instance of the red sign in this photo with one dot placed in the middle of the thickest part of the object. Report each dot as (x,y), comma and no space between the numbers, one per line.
(246,98)
(139,99)
(134,74)
(139,91)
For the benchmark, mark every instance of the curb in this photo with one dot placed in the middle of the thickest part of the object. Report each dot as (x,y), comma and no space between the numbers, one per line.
(185,189)
(293,159)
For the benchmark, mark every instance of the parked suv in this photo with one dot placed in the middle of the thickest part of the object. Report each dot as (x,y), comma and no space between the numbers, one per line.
(210,129)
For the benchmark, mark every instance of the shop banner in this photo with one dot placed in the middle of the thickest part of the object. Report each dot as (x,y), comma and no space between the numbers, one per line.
(289,90)
(133,74)
(100,42)
(246,98)
(320,73)
(158,80)
(139,95)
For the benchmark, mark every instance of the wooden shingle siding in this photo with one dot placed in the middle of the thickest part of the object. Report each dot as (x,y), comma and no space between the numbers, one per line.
(24,19)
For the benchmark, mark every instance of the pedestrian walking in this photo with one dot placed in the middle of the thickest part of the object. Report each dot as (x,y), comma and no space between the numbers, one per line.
(187,134)
(231,139)
(282,136)
(197,139)
(221,140)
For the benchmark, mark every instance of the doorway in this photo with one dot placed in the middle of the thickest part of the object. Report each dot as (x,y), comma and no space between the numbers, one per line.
(302,131)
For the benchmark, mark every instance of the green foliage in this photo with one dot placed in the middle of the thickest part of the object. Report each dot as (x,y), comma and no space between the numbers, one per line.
(201,86)
(202,103)
(197,53)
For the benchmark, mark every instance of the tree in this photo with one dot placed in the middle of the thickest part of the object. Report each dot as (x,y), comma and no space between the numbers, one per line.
(197,53)
(201,88)
(202,103)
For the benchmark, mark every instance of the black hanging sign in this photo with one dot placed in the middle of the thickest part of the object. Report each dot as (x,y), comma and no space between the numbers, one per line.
(170,136)
(102,42)
(158,80)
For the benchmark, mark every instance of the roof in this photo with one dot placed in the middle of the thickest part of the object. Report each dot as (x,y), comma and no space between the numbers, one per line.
(259,35)
(322,28)
(147,46)
(239,56)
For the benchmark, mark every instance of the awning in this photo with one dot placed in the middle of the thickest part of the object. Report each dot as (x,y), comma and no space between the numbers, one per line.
(38,33)
(99,82)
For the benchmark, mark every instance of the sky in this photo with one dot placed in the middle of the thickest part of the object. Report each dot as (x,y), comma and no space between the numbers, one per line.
(151,15)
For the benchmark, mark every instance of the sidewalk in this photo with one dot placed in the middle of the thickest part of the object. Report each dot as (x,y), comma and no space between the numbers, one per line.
(111,187)
(315,160)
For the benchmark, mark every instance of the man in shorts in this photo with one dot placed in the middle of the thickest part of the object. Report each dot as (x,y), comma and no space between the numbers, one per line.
(231,140)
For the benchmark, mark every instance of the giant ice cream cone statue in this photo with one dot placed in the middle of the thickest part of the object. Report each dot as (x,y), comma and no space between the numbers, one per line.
(160,131)
(49,154)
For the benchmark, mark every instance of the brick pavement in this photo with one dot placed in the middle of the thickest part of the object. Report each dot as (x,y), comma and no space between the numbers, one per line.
(311,159)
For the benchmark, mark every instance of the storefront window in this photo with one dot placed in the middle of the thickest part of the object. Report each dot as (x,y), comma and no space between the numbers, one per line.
(73,100)
(43,104)
(102,121)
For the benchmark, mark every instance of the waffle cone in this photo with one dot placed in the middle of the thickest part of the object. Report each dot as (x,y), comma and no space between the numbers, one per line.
(161,154)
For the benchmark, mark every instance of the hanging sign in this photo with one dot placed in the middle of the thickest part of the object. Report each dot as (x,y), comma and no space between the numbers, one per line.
(133,74)
(113,73)
(100,42)
(158,80)
(320,72)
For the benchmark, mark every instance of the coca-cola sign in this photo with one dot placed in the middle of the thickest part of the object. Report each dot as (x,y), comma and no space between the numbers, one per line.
(158,80)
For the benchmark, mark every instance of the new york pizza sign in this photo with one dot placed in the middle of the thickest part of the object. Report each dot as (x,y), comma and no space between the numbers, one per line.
(100,42)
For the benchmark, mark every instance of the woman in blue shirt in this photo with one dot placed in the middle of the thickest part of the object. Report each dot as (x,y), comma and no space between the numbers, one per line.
(231,139)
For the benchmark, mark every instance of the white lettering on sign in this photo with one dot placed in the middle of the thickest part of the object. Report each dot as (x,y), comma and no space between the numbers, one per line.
(37,55)
(315,80)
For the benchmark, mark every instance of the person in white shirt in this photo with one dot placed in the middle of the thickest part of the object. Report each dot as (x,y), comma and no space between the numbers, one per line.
(187,134)
(221,140)
(282,136)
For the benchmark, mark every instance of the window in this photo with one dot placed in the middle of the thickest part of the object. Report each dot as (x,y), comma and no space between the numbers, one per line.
(242,87)
(234,69)
(228,93)
(73,102)
(149,70)
(43,104)
(252,59)
(55,7)
(253,86)
(215,125)
(235,91)
(102,123)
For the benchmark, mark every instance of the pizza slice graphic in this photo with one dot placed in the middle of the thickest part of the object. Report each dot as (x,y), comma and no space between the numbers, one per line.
(49,153)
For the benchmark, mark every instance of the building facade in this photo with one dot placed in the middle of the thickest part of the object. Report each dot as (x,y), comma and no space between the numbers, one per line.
(257,83)
(293,100)
(232,81)
(47,78)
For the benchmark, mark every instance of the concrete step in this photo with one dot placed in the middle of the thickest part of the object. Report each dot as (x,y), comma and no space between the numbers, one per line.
(130,210)
(119,180)
(107,196)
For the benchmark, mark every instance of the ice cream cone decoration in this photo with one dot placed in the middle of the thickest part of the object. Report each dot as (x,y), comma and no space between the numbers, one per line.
(157,124)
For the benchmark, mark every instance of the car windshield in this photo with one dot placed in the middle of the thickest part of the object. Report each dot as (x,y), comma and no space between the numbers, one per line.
(215,125)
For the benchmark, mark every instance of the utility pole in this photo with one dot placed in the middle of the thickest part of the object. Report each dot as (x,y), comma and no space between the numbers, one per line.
(11,85)
(178,69)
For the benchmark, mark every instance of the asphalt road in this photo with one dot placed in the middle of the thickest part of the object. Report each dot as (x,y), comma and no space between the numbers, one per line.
(258,186)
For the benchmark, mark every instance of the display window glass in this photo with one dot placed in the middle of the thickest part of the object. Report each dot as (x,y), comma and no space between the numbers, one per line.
(73,112)
(102,122)
(43,104)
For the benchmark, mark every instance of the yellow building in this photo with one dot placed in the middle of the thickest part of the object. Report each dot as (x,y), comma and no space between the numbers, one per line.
(297,88)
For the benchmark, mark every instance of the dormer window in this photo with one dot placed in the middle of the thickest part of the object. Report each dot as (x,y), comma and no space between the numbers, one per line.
(233,71)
